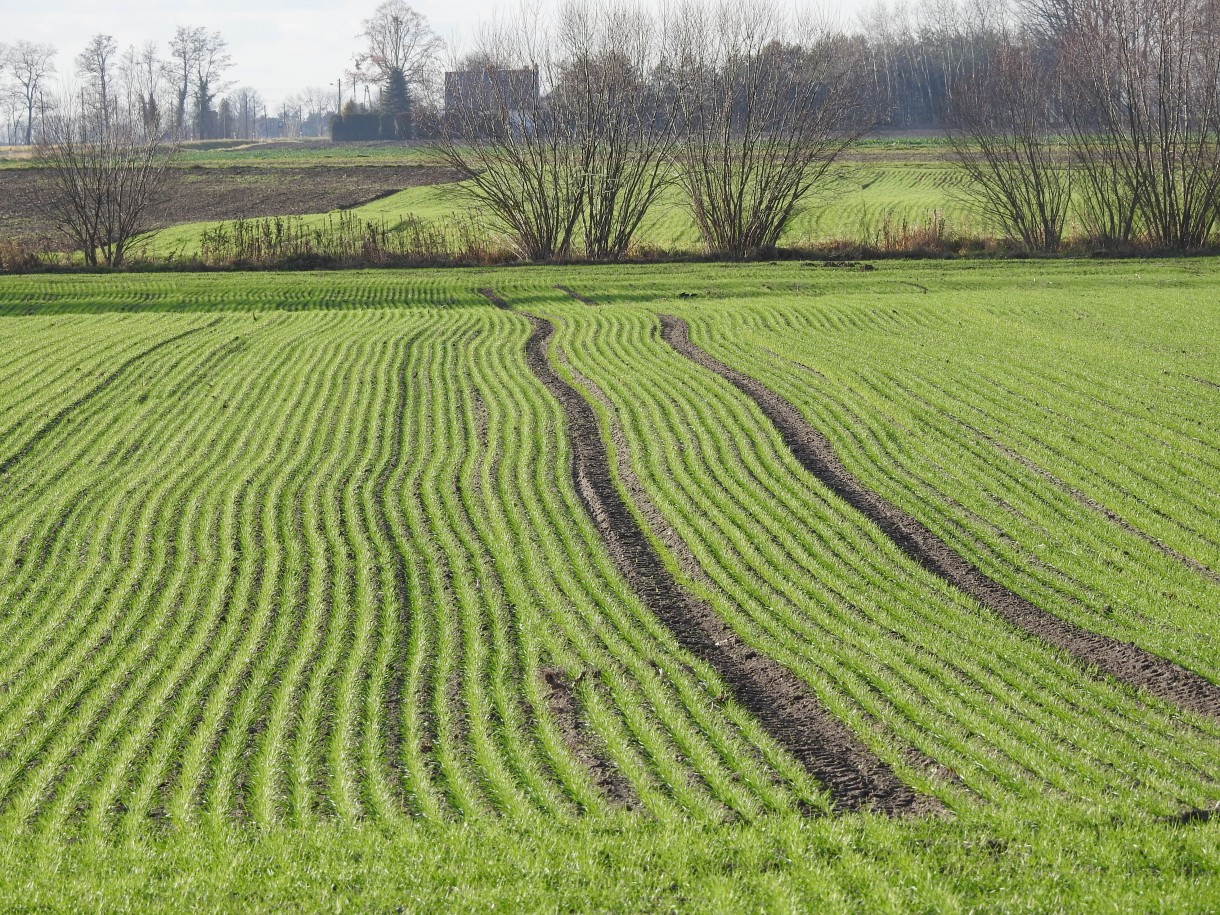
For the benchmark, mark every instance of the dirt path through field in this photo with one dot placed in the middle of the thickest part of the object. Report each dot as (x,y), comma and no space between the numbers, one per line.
(1125,662)
(786,708)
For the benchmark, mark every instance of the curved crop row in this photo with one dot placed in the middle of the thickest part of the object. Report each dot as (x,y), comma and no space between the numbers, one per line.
(911,665)
(1085,482)
(321,565)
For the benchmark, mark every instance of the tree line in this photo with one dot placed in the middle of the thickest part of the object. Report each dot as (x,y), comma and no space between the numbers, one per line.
(180,90)
(1102,112)
(570,128)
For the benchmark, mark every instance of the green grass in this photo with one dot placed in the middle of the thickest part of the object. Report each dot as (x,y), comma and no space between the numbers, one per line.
(877,202)
(290,562)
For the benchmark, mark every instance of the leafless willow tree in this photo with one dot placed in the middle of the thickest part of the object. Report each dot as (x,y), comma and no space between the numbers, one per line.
(1003,114)
(101,179)
(1148,79)
(509,141)
(560,131)
(622,125)
(766,104)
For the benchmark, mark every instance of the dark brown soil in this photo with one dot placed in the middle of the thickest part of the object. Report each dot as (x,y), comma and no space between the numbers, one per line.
(1193,815)
(576,295)
(565,708)
(783,704)
(1125,662)
(229,192)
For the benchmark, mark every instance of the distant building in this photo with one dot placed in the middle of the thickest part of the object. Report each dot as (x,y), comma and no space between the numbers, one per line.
(489,93)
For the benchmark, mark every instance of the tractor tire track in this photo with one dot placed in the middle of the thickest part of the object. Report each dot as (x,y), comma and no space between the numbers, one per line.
(565,708)
(1123,661)
(55,421)
(785,707)
(572,293)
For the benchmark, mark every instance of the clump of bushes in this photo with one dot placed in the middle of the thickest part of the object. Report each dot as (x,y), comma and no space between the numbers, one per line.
(345,239)
(16,257)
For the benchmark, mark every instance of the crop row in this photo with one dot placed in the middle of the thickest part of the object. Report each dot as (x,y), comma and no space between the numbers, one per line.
(326,565)
(950,695)
(276,563)
(1082,473)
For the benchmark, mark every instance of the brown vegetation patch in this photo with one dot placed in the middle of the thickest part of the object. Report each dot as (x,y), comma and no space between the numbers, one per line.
(1125,662)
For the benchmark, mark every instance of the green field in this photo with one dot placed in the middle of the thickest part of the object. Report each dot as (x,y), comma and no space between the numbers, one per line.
(302,605)
(860,201)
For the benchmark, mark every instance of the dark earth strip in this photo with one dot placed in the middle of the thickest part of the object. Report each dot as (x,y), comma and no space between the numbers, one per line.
(639,499)
(211,193)
(564,706)
(1123,661)
(54,422)
(783,704)
(1193,815)
(577,296)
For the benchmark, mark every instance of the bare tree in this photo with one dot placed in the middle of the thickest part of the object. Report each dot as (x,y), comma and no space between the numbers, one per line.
(315,103)
(184,48)
(246,104)
(30,65)
(510,143)
(1150,71)
(198,60)
(623,126)
(96,64)
(100,182)
(1002,116)
(213,60)
(400,48)
(766,106)
(142,74)
(290,114)
(7,97)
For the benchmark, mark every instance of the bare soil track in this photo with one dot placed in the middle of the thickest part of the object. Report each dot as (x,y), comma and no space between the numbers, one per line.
(1123,661)
(786,708)
(567,290)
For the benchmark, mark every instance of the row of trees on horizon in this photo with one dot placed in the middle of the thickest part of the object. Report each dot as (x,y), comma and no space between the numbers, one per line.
(909,56)
(569,128)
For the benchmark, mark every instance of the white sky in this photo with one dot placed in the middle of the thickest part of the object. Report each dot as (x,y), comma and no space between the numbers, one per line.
(278,46)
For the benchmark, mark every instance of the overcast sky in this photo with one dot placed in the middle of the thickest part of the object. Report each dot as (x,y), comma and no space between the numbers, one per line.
(278,46)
